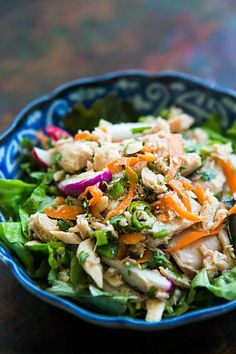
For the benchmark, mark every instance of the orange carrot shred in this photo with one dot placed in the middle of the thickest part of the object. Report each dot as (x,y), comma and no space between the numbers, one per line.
(186,183)
(148,158)
(176,151)
(198,190)
(185,198)
(84,136)
(230,174)
(64,212)
(122,252)
(123,205)
(173,204)
(96,195)
(95,212)
(103,129)
(163,217)
(191,237)
(145,258)
(132,238)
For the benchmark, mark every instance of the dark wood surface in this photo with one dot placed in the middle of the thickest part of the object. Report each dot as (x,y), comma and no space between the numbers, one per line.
(44,43)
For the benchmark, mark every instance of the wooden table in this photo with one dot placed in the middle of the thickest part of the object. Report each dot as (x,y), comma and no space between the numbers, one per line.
(44,43)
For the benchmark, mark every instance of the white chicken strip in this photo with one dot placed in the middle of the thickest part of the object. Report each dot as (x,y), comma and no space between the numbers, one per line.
(40,227)
(155,309)
(141,279)
(104,154)
(66,237)
(192,162)
(74,155)
(190,258)
(91,262)
(156,182)
(215,184)
(179,121)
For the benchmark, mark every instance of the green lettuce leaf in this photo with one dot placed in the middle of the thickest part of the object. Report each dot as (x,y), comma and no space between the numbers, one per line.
(13,193)
(11,236)
(224,286)
(111,108)
(37,201)
(91,298)
(177,303)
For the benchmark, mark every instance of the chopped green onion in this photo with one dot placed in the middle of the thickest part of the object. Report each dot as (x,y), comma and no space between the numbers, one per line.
(139,129)
(101,236)
(82,257)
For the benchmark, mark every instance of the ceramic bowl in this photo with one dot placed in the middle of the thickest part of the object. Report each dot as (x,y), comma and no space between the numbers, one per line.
(149,93)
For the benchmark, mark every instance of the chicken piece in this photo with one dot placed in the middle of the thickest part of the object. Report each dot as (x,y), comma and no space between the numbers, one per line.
(102,136)
(190,258)
(102,204)
(91,262)
(183,281)
(221,151)
(133,146)
(228,248)
(155,309)
(113,277)
(66,237)
(192,162)
(40,227)
(104,154)
(161,125)
(171,228)
(214,261)
(214,185)
(209,209)
(154,181)
(81,227)
(74,155)
(141,279)
(198,135)
(179,121)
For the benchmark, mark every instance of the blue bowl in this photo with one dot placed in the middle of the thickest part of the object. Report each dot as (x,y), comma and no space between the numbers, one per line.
(149,93)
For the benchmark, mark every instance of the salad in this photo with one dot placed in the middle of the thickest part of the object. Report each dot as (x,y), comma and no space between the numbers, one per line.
(134,219)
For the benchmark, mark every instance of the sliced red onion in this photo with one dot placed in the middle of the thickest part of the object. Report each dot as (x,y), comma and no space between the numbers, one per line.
(57,133)
(42,157)
(77,184)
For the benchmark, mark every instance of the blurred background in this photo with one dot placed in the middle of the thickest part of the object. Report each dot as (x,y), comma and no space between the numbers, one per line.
(45,43)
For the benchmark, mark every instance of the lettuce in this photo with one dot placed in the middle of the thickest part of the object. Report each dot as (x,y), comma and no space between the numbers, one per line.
(11,236)
(13,193)
(224,286)
(91,298)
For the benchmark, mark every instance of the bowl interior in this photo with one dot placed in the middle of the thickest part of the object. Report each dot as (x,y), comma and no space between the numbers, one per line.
(148,93)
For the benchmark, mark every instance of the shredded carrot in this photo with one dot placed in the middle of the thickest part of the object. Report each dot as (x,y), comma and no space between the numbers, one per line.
(60,200)
(232,210)
(148,158)
(176,151)
(96,194)
(95,212)
(198,190)
(132,238)
(186,183)
(230,174)
(64,212)
(56,229)
(128,198)
(152,149)
(192,236)
(122,252)
(43,139)
(173,204)
(84,136)
(184,196)
(145,258)
(115,166)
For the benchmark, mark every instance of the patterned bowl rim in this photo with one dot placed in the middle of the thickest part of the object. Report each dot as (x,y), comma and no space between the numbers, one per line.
(100,319)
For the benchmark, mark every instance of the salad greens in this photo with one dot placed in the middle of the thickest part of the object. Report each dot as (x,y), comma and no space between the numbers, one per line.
(111,227)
